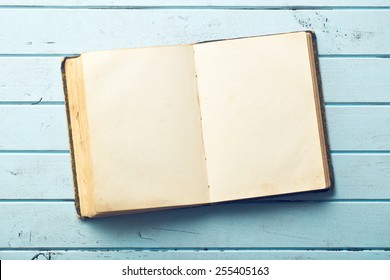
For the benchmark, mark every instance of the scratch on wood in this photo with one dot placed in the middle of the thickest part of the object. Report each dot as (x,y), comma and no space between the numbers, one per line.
(183,17)
(318,22)
(39,101)
(13,173)
(143,237)
(47,256)
(177,230)
(290,235)
(359,35)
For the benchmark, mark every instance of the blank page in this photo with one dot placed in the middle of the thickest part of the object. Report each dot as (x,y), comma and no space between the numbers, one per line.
(259,116)
(145,132)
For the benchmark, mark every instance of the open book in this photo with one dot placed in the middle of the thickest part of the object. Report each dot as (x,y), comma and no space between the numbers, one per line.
(184,125)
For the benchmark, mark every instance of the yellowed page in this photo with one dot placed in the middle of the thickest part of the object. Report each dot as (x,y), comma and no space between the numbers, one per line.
(145,132)
(258,115)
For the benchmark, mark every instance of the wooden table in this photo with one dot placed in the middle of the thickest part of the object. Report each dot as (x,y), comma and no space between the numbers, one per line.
(37,216)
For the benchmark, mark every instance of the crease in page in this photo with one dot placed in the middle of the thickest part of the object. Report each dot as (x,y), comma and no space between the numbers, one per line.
(201,125)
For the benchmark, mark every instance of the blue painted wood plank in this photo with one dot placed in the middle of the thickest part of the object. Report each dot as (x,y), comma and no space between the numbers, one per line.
(359,128)
(194,3)
(59,31)
(48,176)
(257,225)
(35,176)
(343,79)
(29,79)
(357,176)
(355,80)
(35,127)
(196,255)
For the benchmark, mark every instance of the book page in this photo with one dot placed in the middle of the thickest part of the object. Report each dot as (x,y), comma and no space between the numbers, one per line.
(145,131)
(259,116)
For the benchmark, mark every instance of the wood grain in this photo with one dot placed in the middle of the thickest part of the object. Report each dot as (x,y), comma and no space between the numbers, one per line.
(33,127)
(200,254)
(35,176)
(64,31)
(282,4)
(41,78)
(235,225)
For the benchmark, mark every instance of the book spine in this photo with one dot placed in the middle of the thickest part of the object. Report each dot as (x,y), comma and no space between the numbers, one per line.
(322,109)
(72,157)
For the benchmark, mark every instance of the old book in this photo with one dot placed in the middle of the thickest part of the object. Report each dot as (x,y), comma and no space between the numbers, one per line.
(183,125)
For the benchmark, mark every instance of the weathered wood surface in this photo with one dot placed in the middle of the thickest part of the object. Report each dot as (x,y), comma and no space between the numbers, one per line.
(280,4)
(36,209)
(72,31)
(200,254)
(362,225)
